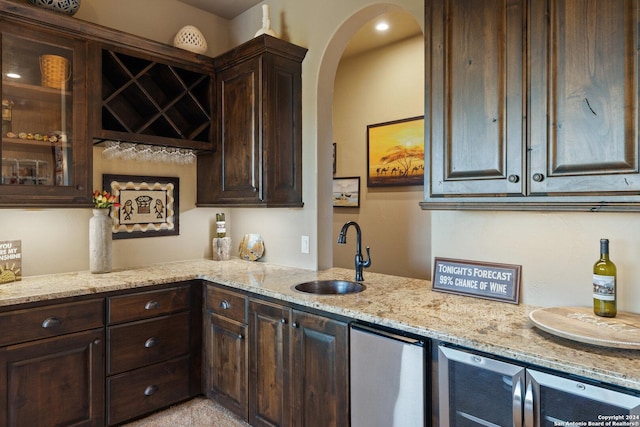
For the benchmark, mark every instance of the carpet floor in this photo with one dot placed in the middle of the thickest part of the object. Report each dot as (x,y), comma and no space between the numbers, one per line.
(198,412)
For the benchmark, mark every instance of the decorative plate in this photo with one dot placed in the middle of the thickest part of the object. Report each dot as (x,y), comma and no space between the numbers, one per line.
(69,7)
(251,247)
(580,324)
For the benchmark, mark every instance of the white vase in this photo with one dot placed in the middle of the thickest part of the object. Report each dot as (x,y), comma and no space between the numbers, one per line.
(100,225)
(266,23)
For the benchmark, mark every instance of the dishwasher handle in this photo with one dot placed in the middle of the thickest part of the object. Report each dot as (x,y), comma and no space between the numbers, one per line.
(387,334)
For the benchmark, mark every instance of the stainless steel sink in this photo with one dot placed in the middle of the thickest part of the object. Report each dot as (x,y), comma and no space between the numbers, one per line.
(330,287)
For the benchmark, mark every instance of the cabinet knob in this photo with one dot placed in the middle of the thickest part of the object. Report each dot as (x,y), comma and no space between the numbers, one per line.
(294,325)
(97,341)
(240,336)
(151,342)
(151,389)
(283,321)
(151,305)
(538,177)
(51,322)
(224,304)
(514,178)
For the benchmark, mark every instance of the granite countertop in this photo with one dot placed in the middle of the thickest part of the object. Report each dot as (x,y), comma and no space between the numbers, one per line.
(397,302)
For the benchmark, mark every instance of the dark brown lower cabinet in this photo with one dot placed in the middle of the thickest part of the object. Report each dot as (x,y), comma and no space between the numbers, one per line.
(54,381)
(153,348)
(269,364)
(298,367)
(319,371)
(226,363)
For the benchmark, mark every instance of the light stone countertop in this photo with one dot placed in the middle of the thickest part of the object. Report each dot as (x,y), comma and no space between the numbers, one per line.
(406,304)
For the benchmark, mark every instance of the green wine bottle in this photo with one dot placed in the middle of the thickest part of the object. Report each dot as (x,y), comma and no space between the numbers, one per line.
(604,283)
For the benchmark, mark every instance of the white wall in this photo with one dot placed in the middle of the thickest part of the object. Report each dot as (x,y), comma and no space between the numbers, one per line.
(380,86)
(56,240)
(556,250)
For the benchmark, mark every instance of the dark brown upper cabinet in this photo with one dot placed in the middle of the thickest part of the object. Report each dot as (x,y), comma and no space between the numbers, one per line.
(257,159)
(46,160)
(148,99)
(532,105)
(80,84)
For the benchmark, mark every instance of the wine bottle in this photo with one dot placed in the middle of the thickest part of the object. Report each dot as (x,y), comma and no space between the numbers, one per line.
(604,283)
(221,230)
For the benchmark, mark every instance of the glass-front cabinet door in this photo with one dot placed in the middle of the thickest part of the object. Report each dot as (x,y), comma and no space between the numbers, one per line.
(475,390)
(45,154)
(551,401)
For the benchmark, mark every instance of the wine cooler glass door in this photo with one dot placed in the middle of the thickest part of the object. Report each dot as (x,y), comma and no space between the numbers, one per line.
(565,401)
(478,391)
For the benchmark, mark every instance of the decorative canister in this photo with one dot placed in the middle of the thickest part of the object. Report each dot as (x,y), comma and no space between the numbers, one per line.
(100,225)
(221,248)
(69,7)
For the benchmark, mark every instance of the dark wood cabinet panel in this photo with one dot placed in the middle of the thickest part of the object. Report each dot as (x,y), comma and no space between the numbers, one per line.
(584,97)
(136,344)
(50,320)
(258,135)
(269,376)
(226,355)
(532,105)
(143,305)
(320,371)
(54,381)
(226,303)
(474,100)
(147,389)
(154,345)
(284,367)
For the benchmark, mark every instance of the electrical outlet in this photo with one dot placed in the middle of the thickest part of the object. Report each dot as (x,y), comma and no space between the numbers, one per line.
(304,244)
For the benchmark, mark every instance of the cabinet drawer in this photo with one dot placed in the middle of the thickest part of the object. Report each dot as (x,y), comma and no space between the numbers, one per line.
(51,320)
(143,305)
(228,304)
(142,343)
(147,389)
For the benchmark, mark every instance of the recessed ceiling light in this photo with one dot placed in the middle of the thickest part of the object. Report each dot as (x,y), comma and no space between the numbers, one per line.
(13,75)
(382,26)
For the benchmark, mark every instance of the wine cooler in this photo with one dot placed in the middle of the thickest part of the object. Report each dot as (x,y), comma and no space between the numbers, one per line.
(475,390)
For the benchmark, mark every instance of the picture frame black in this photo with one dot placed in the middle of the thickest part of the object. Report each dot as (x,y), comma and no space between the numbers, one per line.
(346,192)
(395,153)
(149,205)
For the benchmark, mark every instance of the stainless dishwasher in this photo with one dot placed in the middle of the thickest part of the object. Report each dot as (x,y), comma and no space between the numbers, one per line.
(388,378)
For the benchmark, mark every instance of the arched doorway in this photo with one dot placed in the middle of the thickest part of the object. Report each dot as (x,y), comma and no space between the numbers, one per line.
(327,76)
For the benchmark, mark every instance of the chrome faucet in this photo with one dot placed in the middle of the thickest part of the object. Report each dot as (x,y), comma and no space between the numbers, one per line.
(360,262)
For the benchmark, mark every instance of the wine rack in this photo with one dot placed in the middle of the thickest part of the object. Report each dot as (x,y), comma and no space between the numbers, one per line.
(147,101)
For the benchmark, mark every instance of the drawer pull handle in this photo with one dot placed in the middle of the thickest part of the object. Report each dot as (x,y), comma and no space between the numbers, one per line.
(151,305)
(151,389)
(151,342)
(51,322)
(224,304)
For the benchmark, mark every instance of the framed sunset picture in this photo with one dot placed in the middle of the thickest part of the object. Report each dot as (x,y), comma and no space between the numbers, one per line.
(395,153)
